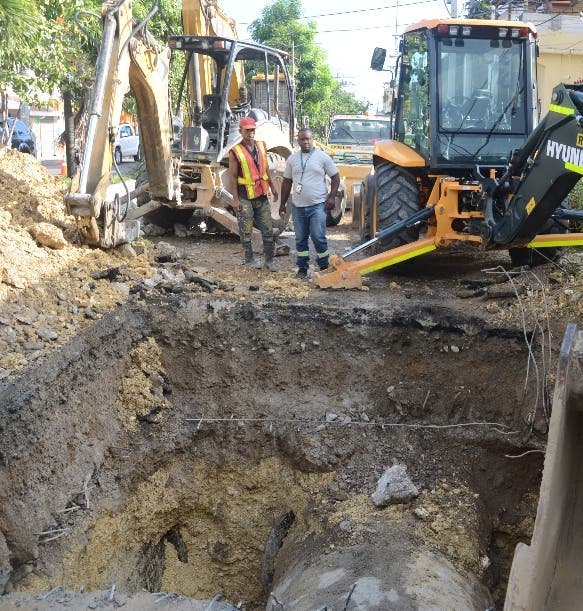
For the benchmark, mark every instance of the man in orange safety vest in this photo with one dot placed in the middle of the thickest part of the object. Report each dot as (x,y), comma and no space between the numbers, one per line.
(250,186)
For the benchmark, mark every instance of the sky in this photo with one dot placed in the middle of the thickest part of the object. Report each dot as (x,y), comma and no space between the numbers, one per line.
(348,31)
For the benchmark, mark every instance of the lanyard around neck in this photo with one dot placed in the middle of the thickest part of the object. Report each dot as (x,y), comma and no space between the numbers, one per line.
(306,163)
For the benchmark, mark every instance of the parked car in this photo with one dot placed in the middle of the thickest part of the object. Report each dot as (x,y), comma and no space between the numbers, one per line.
(22,138)
(127,144)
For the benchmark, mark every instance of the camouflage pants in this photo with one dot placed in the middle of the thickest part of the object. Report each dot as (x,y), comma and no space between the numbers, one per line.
(255,212)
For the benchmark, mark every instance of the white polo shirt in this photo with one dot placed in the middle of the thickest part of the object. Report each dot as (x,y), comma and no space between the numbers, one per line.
(309,170)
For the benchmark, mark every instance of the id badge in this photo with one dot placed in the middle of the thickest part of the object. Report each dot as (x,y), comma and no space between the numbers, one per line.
(299,188)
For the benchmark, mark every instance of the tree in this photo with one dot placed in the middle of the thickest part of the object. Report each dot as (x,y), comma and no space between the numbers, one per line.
(318,94)
(41,48)
(14,15)
(478,9)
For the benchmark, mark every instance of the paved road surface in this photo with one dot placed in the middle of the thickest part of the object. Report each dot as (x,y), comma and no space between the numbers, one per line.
(53,166)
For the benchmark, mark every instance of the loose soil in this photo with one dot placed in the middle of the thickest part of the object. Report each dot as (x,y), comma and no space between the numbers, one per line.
(176,426)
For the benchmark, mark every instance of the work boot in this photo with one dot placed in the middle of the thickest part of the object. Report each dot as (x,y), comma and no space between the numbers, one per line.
(302,273)
(268,250)
(250,259)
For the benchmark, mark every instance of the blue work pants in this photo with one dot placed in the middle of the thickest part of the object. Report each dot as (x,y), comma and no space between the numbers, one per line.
(310,222)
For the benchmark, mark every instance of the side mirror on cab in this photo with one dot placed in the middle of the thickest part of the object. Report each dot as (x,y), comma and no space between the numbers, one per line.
(377,62)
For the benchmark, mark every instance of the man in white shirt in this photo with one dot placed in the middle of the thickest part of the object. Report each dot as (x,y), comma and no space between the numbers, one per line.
(305,173)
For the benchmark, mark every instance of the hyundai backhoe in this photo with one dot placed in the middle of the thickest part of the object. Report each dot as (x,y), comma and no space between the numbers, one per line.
(467,162)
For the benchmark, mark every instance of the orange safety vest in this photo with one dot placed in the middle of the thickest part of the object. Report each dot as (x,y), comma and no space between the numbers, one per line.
(253,178)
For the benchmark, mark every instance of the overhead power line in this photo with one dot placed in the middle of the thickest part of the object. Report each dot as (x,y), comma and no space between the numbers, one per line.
(362,10)
(367,10)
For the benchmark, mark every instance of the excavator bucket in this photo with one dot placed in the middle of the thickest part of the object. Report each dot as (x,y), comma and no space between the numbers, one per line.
(547,573)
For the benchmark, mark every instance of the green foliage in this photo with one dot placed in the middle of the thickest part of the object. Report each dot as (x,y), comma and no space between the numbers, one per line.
(576,196)
(478,9)
(40,47)
(318,94)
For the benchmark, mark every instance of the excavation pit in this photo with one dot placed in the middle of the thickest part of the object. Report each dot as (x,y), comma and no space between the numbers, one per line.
(210,446)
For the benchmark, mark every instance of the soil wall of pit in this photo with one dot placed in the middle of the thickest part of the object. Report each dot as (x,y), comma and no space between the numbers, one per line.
(206,446)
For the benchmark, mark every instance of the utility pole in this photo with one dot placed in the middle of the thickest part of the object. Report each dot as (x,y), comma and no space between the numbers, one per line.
(454,9)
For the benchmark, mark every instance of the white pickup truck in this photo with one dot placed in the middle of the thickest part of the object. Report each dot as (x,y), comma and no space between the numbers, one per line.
(127,144)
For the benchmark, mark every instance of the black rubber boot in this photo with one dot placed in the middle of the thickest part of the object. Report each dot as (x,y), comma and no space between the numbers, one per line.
(250,259)
(268,250)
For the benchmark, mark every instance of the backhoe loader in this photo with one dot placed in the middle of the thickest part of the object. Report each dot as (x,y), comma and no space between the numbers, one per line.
(185,146)
(467,162)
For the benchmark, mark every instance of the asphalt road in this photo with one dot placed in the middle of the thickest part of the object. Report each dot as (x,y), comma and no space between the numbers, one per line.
(53,166)
(128,169)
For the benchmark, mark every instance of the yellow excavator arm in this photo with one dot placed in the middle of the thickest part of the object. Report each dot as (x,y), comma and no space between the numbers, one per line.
(128,57)
(205,18)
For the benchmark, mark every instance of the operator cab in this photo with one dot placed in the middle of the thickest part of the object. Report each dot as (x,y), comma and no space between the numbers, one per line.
(467,93)
(213,70)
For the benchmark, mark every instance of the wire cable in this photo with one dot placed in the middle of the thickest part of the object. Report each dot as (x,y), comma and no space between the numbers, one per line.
(497,426)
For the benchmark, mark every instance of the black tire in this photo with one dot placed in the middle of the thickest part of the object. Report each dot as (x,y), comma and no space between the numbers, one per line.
(397,200)
(117,155)
(138,155)
(365,215)
(276,166)
(356,213)
(334,216)
(532,257)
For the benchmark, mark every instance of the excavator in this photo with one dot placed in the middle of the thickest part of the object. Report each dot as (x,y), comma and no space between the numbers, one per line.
(468,163)
(185,145)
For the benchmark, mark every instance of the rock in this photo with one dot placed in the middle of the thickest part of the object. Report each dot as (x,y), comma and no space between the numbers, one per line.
(139,249)
(91,314)
(122,288)
(180,231)
(154,231)
(33,345)
(46,334)
(11,278)
(111,273)
(282,250)
(48,235)
(27,317)
(421,513)
(127,251)
(164,249)
(394,487)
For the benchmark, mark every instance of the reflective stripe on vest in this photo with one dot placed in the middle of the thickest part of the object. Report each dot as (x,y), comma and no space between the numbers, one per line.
(254,179)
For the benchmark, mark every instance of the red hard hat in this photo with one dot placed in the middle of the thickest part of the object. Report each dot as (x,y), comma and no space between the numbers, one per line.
(247,123)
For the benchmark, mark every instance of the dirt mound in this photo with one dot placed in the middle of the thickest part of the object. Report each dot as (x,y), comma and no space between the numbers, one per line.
(51,286)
